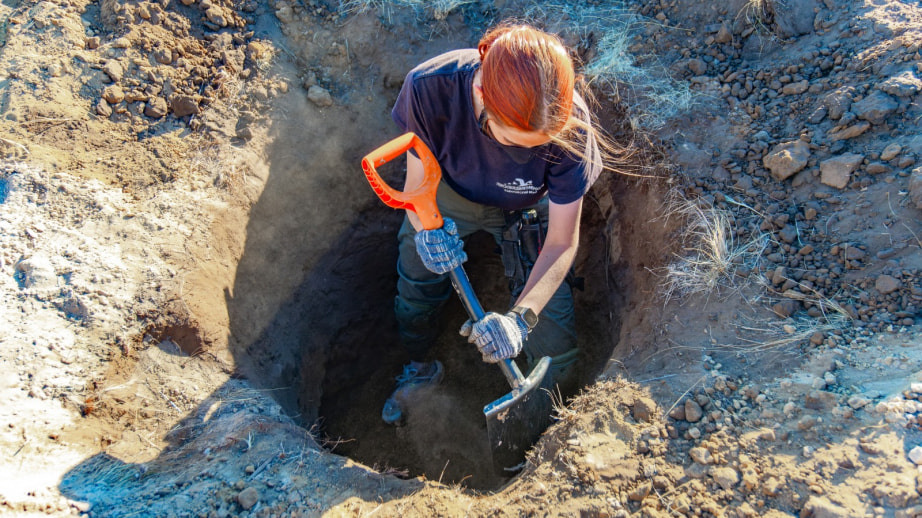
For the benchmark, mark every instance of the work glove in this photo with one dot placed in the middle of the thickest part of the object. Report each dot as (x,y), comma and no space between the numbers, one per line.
(496,336)
(441,250)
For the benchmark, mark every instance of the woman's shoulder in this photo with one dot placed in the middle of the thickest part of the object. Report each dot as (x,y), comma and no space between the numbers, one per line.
(450,63)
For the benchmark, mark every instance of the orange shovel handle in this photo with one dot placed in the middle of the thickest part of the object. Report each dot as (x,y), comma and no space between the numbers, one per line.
(420,200)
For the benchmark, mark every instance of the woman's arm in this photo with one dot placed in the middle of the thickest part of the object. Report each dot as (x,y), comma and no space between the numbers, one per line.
(556,256)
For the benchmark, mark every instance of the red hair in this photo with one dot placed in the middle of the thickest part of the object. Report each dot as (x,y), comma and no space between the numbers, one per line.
(527,79)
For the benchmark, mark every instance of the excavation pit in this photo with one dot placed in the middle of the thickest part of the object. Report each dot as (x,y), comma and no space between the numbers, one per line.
(311,309)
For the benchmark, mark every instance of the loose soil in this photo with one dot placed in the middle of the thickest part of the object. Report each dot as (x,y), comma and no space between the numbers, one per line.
(197,281)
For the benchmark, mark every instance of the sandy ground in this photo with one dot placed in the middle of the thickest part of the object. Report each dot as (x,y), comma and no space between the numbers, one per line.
(196,281)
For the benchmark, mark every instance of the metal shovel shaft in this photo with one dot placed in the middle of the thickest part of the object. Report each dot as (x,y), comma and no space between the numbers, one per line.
(469,300)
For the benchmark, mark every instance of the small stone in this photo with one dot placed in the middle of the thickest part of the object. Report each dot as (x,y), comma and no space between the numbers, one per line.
(915,187)
(886,284)
(785,308)
(701,455)
(875,107)
(103,108)
(156,108)
(877,168)
(915,455)
(113,94)
(114,70)
(795,88)
(644,410)
(858,401)
(216,16)
(847,132)
(678,413)
(693,412)
(697,67)
(320,96)
(890,152)
(248,498)
(787,158)
(905,84)
(836,171)
(726,477)
(182,105)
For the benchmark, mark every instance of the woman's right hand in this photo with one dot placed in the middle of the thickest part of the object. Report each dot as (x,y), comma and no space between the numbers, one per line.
(441,250)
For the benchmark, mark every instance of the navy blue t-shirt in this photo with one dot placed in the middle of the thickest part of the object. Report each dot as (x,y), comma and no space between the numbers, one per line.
(436,103)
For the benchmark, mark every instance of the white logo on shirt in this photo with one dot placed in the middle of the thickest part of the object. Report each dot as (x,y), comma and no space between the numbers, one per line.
(519,186)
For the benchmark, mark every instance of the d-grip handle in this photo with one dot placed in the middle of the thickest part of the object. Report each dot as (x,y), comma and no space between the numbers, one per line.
(420,200)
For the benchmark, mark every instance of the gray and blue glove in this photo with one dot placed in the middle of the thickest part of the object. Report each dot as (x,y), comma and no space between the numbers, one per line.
(496,336)
(441,250)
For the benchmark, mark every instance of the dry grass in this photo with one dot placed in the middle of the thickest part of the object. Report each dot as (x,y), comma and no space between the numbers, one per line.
(438,9)
(713,255)
(758,14)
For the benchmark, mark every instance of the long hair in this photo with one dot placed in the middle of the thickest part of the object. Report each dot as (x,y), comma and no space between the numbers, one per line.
(528,82)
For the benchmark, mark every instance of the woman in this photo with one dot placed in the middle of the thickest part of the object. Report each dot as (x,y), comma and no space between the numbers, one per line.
(510,134)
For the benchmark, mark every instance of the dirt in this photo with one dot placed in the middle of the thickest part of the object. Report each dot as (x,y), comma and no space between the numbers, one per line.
(197,282)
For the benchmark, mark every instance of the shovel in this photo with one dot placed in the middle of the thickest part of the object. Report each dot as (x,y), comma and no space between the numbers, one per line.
(517,419)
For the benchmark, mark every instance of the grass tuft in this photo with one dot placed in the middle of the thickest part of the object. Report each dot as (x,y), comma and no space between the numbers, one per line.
(713,255)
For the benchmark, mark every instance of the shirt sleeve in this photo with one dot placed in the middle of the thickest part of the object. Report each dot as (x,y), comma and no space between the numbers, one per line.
(570,177)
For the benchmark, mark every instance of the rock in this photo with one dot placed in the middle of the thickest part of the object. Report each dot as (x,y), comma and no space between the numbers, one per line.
(248,498)
(890,152)
(795,88)
(163,56)
(156,108)
(644,410)
(693,412)
(36,272)
(258,50)
(821,507)
(785,308)
(836,171)
(182,105)
(696,471)
(92,42)
(216,15)
(114,70)
(678,413)
(915,455)
(875,107)
(787,158)
(818,115)
(838,102)
(771,487)
(701,456)
(847,132)
(697,67)
(113,94)
(877,168)
(103,108)
(726,477)
(886,284)
(723,34)
(905,84)
(320,96)
(915,187)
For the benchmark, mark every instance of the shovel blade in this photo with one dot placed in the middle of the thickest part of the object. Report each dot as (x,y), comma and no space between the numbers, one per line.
(516,420)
